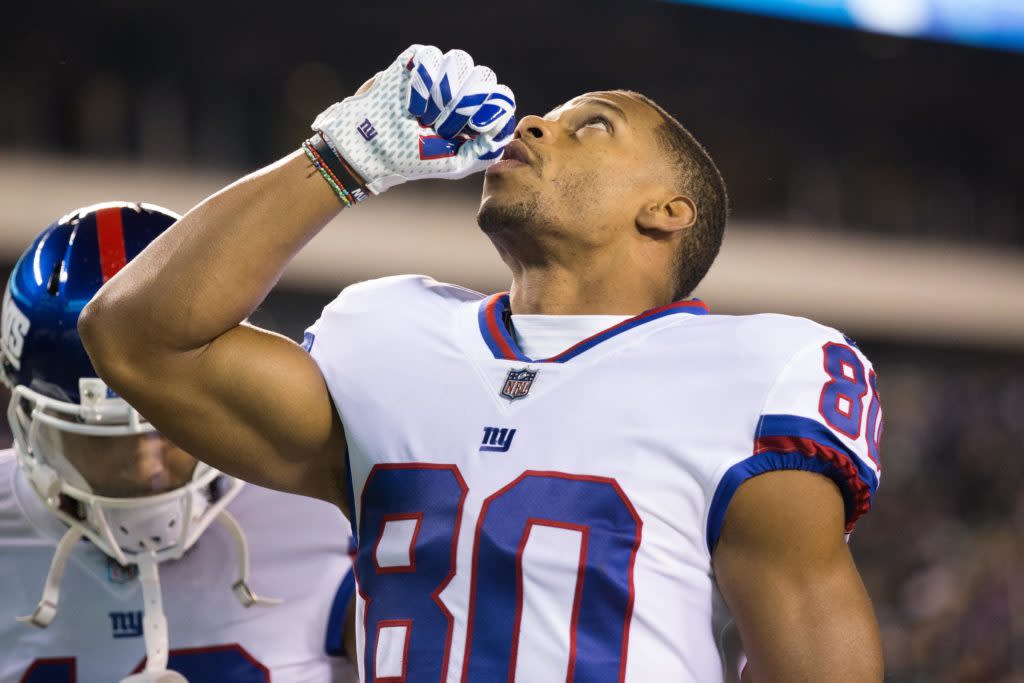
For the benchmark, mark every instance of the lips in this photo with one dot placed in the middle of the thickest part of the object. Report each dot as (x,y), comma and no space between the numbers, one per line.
(516,155)
(516,151)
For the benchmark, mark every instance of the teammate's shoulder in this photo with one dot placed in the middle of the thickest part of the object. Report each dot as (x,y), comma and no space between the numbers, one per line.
(8,462)
(270,501)
(266,513)
(13,524)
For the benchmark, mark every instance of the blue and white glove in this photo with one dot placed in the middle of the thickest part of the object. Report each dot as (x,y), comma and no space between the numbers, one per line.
(428,115)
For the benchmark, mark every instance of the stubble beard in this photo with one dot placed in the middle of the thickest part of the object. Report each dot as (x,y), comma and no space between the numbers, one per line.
(495,217)
(529,218)
(528,214)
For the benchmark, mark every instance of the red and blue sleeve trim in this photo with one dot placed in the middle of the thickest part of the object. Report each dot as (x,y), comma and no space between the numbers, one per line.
(334,645)
(790,442)
(493,310)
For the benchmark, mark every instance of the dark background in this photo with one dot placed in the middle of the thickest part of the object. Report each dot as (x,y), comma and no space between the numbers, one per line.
(844,128)
(841,130)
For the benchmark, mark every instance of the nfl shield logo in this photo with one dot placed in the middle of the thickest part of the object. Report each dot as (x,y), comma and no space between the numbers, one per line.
(518,383)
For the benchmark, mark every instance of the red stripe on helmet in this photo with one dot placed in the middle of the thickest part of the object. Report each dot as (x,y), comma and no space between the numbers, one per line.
(110,235)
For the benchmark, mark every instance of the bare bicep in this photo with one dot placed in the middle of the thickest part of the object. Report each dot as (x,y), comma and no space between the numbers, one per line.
(790,582)
(254,404)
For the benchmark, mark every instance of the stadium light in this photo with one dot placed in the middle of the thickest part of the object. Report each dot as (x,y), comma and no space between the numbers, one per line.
(984,23)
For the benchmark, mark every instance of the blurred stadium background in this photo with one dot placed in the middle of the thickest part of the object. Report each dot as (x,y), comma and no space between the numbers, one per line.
(877,180)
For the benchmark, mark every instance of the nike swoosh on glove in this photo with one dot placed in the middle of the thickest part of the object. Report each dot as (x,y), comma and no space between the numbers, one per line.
(428,115)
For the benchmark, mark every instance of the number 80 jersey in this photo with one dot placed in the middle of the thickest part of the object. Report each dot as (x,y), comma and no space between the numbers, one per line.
(534,520)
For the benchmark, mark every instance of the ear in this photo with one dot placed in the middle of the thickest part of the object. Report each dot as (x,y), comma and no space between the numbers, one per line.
(667,216)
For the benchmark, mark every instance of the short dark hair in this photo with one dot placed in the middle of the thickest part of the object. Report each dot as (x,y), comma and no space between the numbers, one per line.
(700,179)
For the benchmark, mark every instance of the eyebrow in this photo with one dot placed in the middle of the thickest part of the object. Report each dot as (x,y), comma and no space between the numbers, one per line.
(605,103)
(608,104)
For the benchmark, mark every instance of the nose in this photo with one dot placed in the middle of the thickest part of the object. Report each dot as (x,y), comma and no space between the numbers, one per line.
(535,129)
(151,466)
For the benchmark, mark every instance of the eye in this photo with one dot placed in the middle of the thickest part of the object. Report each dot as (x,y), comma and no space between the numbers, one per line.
(596,123)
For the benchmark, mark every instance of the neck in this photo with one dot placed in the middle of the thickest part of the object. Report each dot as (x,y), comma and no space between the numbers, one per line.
(602,283)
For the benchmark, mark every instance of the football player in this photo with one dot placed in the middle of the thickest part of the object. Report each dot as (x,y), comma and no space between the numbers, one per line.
(547,484)
(139,551)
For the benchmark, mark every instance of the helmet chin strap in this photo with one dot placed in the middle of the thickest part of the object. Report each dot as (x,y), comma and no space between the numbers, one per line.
(46,610)
(154,625)
(154,622)
(240,588)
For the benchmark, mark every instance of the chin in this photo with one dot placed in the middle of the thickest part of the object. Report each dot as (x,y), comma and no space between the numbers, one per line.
(498,214)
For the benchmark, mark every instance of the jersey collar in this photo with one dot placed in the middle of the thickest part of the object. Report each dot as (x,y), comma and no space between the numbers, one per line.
(494,309)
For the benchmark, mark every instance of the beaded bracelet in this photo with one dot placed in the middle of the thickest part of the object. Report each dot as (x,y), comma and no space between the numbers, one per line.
(337,167)
(325,171)
(326,149)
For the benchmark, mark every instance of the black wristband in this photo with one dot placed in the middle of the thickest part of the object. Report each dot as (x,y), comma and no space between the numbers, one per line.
(338,167)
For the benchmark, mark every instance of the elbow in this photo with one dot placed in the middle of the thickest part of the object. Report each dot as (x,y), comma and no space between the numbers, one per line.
(92,323)
(107,342)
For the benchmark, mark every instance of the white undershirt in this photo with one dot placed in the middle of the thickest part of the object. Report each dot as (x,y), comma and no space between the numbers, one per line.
(543,336)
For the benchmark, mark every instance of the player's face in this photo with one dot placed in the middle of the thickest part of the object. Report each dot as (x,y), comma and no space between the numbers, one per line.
(128,466)
(582,169)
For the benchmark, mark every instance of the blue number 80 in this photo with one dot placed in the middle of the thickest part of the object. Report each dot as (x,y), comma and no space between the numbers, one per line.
(404,615)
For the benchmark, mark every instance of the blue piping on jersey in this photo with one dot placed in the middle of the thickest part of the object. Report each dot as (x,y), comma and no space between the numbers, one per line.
(351,498)
(307,343)
(491,319)
(334,644)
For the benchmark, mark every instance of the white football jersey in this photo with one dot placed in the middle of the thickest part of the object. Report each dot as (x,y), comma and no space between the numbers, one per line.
(550,520)
(298,552)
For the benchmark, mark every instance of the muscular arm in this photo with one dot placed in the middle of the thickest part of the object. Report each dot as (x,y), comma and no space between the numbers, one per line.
(166,331)
(166,334)
(791,584)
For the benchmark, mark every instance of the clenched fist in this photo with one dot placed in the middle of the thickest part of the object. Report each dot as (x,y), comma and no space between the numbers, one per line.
(428,115)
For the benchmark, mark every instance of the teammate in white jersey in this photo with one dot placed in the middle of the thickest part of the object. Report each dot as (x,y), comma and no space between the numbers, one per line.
(140,555)
(547,484)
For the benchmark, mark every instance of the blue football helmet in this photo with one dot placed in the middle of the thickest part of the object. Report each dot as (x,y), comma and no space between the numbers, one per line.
(55,389)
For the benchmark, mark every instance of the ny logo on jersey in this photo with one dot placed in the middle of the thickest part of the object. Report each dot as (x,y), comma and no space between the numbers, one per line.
(126,624)
(518,383)
(497,439)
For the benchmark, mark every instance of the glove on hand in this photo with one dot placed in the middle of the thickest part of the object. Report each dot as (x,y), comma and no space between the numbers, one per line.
(427,115)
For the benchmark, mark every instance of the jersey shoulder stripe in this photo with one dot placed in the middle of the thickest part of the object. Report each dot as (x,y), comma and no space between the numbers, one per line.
(791,442)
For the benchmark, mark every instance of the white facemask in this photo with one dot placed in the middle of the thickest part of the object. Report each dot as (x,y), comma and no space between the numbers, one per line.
(143,531)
